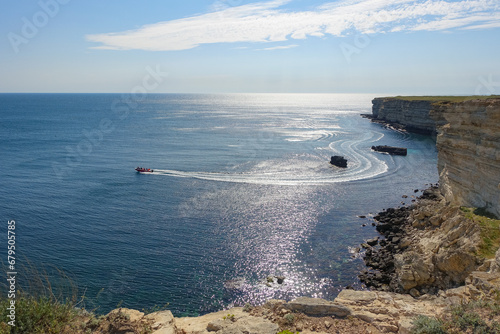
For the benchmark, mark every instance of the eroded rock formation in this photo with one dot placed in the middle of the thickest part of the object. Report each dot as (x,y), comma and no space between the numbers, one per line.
(468,144)
(469,152)
(428,246)
(410,115)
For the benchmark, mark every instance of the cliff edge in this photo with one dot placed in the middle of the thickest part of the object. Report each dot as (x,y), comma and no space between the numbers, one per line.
(468,142)
(411,115)
(469,152)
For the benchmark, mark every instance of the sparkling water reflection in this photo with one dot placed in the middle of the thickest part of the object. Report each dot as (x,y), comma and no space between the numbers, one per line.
(242,190)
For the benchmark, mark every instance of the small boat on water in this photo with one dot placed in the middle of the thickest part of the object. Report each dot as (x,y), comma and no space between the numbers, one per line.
(144,170)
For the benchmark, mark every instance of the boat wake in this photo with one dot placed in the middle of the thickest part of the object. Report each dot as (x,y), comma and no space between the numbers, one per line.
(305,169)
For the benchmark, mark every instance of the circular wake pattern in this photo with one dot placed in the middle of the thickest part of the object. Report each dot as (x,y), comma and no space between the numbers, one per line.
(305,169)
(310,135)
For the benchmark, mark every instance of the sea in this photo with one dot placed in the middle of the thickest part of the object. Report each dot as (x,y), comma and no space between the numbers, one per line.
(241,192)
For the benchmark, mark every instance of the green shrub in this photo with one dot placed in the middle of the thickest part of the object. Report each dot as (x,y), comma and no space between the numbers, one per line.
(469,320)
(289,318)
(247,308)
(286,331)
(426,325)
(46,302)
(39,315)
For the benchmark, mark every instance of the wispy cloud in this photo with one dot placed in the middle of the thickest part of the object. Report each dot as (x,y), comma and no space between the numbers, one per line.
(271,22)
(282,47)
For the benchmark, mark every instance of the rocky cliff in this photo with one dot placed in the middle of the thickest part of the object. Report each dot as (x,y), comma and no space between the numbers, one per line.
(469,152)
(411,115)
(468,142)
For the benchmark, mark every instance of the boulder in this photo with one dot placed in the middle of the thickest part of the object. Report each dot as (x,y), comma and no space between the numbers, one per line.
(338,161)
(241,322)
(162,322)
(317,307)
(390,150)
(372,242)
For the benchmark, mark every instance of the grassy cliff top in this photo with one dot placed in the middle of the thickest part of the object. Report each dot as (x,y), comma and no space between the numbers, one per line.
(444,98)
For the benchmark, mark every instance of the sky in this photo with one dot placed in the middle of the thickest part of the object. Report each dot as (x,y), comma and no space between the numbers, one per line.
(430,47)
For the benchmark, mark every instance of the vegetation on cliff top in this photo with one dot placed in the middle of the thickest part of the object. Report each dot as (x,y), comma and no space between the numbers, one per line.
(444,98)
(40,315)
(474,317)
(490,230)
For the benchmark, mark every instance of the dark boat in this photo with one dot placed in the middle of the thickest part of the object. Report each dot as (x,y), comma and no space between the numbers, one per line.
(144,170)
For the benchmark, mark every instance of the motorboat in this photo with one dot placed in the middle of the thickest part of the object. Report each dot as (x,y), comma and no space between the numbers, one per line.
(144,170)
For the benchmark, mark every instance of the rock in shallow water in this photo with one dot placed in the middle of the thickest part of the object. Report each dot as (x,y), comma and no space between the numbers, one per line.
(390,150)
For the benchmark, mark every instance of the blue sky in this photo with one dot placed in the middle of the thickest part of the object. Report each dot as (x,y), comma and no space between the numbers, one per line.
(225,46)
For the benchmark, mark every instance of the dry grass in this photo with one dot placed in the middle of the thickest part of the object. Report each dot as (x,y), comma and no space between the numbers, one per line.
(445,98)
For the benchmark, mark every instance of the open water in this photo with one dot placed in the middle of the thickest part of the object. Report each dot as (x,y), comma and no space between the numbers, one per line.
(242,189)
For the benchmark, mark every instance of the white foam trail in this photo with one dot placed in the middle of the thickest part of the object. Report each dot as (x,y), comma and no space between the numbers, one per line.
(311,170)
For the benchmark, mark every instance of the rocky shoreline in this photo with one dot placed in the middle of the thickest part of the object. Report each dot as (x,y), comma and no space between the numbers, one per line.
(393,225)
(428,247)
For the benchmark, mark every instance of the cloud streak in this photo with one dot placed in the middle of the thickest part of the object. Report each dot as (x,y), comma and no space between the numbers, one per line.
(280,47)
(270,22)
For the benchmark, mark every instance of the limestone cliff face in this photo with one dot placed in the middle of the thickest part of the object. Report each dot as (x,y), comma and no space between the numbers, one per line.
(413,115)
(468,144)
(469,152)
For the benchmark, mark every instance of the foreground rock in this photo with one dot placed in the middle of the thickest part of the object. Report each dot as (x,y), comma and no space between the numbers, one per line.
(233,321)
(390,150)
(393,312)
(338,161)
(127,321)
(390,312)
(317,307)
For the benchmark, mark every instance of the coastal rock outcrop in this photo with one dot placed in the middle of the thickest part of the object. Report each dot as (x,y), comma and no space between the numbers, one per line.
(338,161)
(409,115)
(428,246)
(390,150)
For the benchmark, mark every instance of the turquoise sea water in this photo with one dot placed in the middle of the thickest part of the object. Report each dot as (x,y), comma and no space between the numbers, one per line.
(242,189)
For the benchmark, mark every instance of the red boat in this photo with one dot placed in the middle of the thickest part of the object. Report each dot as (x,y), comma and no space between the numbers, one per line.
(144,170)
